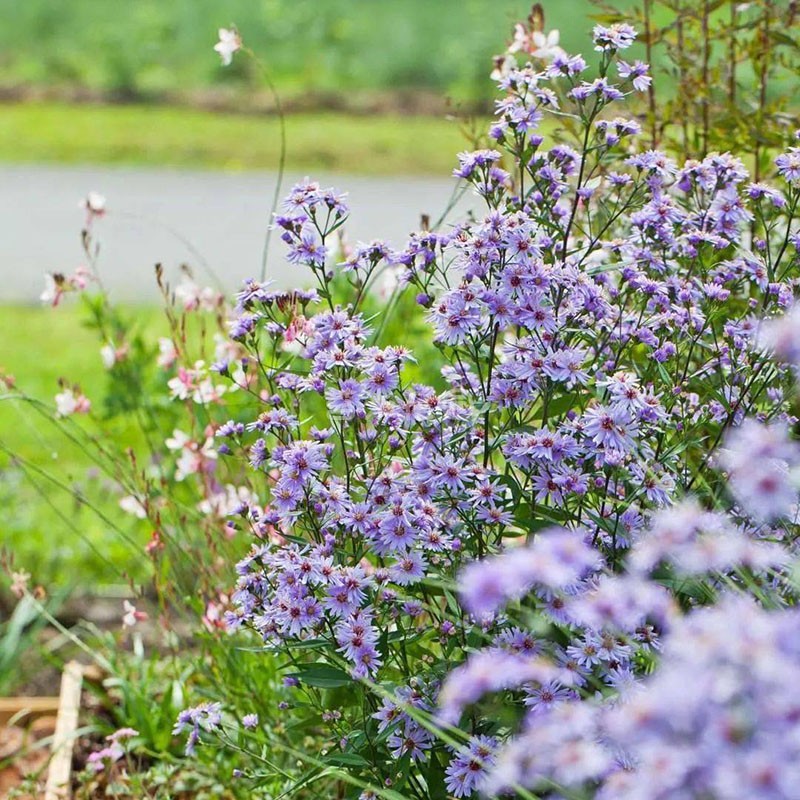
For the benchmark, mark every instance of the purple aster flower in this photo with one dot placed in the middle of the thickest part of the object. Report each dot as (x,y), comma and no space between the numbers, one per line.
(411,741)
(205,717)
(469,766)
(489,671)
(346,400)
(637,73)
(470,162)
(788,165)
(611,428)
(542,698)
(409,569)
(614,37)
(759,459)
(356,634)
(556,558)
(308,250)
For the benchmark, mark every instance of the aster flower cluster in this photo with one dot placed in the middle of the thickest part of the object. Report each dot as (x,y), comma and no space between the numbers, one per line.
(729,731)
(601,330)
(590,706)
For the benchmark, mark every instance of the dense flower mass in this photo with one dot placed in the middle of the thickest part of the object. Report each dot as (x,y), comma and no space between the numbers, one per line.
(730,731)
(518,529)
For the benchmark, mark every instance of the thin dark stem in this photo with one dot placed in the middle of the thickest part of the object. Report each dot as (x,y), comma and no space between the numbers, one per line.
(706,99)
(681,74)
(651,89)
(763,72)
(281,161)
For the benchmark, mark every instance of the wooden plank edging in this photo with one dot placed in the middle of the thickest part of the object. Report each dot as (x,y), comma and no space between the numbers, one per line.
(59,774)
(19,708)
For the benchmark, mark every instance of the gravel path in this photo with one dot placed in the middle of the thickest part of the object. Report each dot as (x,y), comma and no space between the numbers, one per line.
(222,216)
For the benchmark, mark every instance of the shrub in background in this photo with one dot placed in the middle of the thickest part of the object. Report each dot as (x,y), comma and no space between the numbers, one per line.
(726,74)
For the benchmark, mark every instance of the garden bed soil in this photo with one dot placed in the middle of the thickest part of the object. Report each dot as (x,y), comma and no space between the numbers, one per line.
(37,738)
(26,726)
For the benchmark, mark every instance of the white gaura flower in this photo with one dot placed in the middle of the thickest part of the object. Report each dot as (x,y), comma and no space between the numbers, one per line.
(57,284)
(132,615)
(178,440)
(94,203)
(95,206)
(193,297)
(545,46)
(19,583)
(53,289)
(133,505)
(503,67)
(167,353)
(229,42)
(109,355)
(113,355)
(521,39)
(69,402)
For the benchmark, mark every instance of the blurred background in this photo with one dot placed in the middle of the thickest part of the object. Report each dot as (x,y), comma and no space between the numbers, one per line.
(117,96)
(357,55)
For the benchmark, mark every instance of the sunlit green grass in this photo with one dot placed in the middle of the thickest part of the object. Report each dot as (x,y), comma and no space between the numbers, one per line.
(180,137)
(61,542)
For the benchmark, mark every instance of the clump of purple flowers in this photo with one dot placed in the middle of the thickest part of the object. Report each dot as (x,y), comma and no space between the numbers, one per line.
(719,718)
(604,351)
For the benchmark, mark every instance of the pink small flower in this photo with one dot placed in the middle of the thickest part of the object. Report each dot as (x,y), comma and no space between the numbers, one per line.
(214,618)
(167,352)
(113,753)
(181,386)
(193,297)
(71,401)
(95,206)
(53,289)
(545,46)
(81,277)
(132,615)
(155,544)
(113,355)
(122,733)
(57,284)
(132,505)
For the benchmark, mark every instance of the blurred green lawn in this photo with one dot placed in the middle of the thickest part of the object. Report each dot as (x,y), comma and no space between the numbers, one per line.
(183,137)
(63,543)
(59,541)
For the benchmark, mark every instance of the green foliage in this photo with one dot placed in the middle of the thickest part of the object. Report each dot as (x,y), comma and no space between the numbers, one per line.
(17,636)
(49,481)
